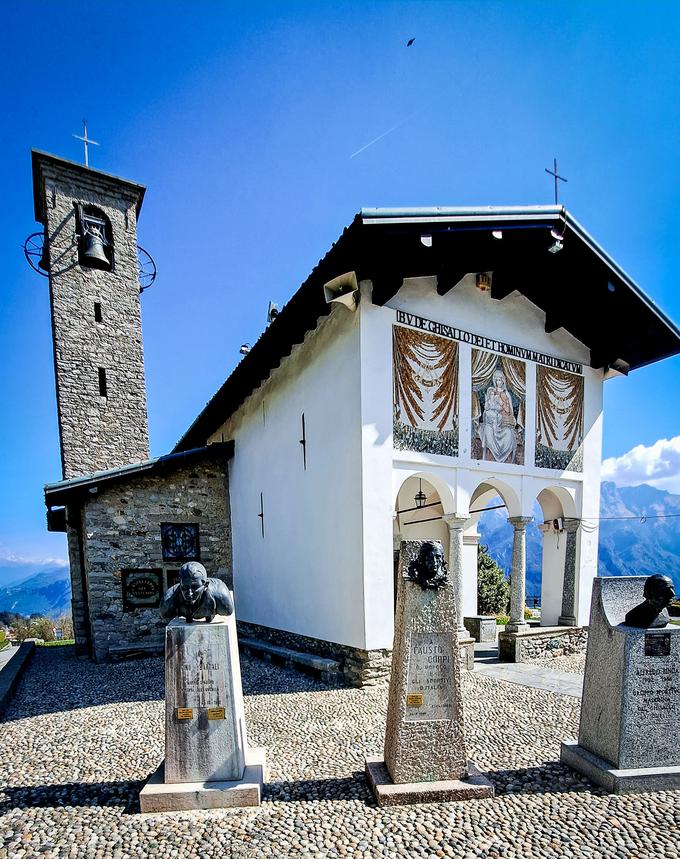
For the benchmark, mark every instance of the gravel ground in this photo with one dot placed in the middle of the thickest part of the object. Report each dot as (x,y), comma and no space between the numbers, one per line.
(80,739)
(575,663)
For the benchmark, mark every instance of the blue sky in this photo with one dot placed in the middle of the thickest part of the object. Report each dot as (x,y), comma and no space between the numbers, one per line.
(241,120)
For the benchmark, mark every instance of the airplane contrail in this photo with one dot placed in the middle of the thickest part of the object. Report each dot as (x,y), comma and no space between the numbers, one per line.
(384,134)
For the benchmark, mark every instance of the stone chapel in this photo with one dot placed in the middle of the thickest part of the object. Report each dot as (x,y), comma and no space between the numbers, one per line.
(434,359)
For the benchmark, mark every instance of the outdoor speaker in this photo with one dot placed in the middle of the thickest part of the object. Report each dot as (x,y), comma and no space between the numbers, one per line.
(343,289)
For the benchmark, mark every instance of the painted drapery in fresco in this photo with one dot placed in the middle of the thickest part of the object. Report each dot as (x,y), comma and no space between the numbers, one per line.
(498,407)
(425,376)
(559,419)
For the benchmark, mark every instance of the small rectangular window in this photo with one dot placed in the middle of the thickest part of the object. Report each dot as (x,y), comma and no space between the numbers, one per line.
(97,311)
(102,383)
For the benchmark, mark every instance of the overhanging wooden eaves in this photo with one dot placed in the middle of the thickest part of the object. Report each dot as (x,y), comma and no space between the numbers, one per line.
(580,288)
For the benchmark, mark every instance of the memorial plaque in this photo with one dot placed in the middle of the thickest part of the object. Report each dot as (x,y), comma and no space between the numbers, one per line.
(658,644)
(141,588)
(430,677)
(215,713)
(654,689)
(185,713)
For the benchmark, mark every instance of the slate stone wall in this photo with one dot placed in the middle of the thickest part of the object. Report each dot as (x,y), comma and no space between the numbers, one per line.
(96,432)
(121,528)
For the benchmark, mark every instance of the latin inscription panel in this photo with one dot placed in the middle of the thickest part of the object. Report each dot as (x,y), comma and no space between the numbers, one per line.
(430,689)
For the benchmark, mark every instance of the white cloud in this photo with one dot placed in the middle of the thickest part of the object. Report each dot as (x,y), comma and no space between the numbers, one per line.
(658,465)
(10,559)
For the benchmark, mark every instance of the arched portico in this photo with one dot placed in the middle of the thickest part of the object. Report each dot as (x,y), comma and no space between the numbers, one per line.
(483,493)
(424,511)
(559,555)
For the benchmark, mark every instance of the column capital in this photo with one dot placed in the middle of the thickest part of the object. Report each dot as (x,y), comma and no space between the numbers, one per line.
(520,522)
(454,521)
(571,525)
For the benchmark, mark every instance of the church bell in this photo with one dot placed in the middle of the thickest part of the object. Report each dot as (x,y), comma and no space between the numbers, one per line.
(93,253)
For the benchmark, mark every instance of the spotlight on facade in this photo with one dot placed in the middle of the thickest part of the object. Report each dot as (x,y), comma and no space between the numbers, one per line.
(483,281)
(245,348)
(497,234)
(426,240)
(558,242)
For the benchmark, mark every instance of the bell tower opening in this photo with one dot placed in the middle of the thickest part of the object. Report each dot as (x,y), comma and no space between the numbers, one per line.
(95,238)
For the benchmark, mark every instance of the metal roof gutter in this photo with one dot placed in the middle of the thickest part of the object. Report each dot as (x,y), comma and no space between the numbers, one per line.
(420,214)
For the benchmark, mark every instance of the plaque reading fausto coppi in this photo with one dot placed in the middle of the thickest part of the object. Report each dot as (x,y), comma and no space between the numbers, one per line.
(430,689)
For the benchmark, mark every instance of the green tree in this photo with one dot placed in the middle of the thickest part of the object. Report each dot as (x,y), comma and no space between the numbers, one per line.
(42,627)
(493,589)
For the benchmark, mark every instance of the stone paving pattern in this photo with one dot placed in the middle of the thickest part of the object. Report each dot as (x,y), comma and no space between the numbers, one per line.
(80,739)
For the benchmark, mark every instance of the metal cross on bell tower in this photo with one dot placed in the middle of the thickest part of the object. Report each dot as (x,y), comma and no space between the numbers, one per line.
(85,140)
(556,175)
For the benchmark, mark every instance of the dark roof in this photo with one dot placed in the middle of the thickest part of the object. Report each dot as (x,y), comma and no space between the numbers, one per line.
(580,288)
(78,488)
(39,158)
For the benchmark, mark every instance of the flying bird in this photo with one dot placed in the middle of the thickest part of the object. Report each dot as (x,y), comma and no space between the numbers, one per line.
(410,42)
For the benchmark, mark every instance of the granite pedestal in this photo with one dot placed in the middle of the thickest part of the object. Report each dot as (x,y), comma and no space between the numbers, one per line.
(207,761)
(481,627)
(425,757)
(630,710)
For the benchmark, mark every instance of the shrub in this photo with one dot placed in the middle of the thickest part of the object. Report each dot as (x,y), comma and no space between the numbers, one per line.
(502,619)
(493,589)
(528,614)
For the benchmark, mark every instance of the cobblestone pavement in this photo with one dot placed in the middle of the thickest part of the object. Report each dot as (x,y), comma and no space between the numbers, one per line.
(80,739)
(573,663)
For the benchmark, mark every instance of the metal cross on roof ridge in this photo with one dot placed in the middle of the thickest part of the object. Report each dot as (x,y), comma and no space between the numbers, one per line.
(554,173)
(86,140)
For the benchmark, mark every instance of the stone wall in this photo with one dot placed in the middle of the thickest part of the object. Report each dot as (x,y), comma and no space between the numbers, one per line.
(79,610)
(122,531)
(554,642)
(358,667)
(96,432)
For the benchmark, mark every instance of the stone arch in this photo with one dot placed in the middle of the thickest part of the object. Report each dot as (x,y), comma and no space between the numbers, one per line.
(438,485)
(489,488)
(412,522)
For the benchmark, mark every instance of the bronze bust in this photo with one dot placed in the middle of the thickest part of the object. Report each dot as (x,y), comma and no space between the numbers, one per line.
(658,593)
(196,596)
(429,569)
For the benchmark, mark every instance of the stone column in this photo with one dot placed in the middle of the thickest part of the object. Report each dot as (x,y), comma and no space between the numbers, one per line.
(518,574)
(568,615)
(456,525)
(466,644)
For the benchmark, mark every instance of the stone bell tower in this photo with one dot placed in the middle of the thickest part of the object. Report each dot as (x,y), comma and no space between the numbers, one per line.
(90,254)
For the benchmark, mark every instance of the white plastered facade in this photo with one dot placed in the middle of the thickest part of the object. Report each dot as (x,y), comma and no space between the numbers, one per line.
(324,567)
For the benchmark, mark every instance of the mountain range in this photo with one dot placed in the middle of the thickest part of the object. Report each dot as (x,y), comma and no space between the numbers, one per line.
(27,587)
(638,545)
(635,546)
